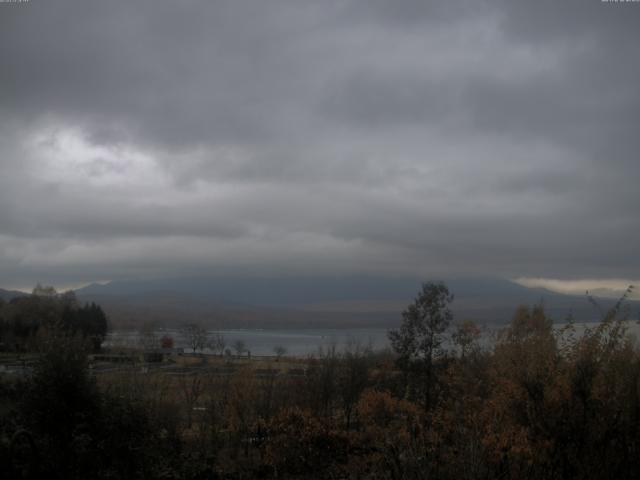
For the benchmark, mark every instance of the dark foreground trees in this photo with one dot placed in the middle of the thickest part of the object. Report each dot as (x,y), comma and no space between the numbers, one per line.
(61,426)
(23,317)
(418,341)
(539,403)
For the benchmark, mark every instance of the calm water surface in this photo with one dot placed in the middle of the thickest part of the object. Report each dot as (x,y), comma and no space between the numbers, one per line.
(302,342)
(262,342)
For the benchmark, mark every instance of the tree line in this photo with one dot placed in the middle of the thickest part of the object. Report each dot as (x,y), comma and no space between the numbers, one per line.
(23,319)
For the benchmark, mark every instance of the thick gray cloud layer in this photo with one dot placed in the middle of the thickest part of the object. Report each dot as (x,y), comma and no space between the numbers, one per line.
(290,136)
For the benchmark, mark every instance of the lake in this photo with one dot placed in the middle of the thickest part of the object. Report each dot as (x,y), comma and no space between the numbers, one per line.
(303,342)
(262,342)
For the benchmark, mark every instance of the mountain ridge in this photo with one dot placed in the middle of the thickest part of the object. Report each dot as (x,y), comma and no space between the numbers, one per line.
(305,302)
(7,295)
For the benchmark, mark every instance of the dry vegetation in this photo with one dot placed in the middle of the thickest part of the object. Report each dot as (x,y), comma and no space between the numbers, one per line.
(538,404)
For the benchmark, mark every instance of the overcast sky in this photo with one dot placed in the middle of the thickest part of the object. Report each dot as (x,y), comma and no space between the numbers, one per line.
(405,137)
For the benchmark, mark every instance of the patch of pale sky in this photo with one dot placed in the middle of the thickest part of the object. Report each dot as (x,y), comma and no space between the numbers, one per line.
(607,287)
(64,155)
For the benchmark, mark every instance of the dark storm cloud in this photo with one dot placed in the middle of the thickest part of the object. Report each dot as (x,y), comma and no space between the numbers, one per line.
(199,72)
(410,137)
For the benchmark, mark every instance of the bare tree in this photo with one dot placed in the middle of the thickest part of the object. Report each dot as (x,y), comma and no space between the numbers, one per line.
(217,343)
(195,335)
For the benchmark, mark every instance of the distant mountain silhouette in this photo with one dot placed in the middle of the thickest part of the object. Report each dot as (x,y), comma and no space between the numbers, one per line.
(298,302)
(7,295)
